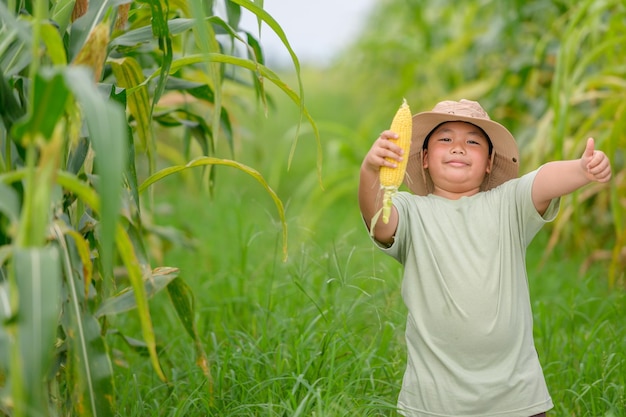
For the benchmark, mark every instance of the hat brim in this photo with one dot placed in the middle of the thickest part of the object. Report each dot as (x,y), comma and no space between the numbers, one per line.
(505,152)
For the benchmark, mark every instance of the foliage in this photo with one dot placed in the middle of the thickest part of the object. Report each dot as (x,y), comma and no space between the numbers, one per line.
(86,91)
(552,71)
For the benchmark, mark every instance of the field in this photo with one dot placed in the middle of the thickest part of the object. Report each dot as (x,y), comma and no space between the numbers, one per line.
(179,230)
(322,333)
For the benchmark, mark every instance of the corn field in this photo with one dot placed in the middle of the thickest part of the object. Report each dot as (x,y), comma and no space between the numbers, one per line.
(102,100)
(84,89)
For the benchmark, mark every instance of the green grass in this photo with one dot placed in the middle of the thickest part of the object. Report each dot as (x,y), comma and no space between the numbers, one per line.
(322,334)
(580,335)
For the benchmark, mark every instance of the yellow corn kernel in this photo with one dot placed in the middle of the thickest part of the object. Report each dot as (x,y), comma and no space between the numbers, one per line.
(391,178)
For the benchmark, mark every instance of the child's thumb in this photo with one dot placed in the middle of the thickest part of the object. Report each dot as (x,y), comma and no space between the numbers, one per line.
(589,148)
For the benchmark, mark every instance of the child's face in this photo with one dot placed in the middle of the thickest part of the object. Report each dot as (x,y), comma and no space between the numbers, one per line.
(457,159)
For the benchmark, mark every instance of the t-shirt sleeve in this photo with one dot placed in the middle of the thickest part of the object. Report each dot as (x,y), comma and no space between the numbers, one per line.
(519,191)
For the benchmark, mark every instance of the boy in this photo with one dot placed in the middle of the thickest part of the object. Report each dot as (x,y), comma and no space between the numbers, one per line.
(461,236)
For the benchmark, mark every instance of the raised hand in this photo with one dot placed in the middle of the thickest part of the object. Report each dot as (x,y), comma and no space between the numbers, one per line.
(595,163)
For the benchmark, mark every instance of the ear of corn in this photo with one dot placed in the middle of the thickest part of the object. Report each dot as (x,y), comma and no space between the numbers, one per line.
(94,51)
(391,178)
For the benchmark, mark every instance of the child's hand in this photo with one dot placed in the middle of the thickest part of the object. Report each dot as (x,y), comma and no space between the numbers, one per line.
(384,147)
(595,164)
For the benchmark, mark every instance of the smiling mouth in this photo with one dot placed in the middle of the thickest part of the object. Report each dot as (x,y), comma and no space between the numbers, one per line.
(457,163)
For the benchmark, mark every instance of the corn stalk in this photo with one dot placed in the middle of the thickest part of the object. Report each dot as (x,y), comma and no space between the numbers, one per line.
(78,116)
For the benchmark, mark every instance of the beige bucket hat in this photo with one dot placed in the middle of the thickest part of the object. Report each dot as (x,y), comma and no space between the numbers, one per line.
(505,155)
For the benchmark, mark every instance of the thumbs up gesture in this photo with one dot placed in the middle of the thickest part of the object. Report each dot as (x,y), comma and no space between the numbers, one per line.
(595,164)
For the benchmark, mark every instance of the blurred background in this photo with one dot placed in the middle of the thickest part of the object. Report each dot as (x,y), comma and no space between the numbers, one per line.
(549,71)
(318,31)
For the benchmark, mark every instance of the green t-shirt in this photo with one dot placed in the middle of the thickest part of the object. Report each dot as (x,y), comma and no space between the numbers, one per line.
(469,330)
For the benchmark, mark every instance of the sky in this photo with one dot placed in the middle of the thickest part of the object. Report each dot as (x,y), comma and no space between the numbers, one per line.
(316,29)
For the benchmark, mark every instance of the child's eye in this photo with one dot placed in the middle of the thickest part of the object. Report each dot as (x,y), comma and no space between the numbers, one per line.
(445,139)
(473,142)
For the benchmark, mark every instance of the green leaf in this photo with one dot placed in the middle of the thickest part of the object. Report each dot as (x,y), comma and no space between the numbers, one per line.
(6,313)
(144,34)
(15,39)
(38,278)
(107,126)
(266,73)
(191,121)
(129,75)
(262,15)
(89,374)
(50,98)
(203,161)
(183,301)
(129,258)
(11,110)
(54,44)
(61,13)
(161,31)
(9,203)
(208,44)
(125,301)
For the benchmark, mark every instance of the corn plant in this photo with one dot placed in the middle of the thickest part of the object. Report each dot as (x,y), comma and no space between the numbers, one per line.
(83,96)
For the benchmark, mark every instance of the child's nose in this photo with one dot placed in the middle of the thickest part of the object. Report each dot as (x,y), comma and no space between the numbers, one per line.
(457,148)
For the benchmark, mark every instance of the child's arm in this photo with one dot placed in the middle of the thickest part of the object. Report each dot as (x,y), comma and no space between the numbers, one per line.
(558,178)
(370,198)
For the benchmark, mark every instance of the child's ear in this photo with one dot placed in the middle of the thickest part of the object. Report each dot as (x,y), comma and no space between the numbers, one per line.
(490,163)
(425,158)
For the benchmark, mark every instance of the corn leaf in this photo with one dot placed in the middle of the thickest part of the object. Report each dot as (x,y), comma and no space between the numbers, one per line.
(61,13)
(50,98)
(54,44)
(207,43)
(127,253)
(9,203)
(267,74)
(144,34)
(89,371)
(203,161)
(183,301)
(126,300)
(6,312)
(160,30)
(11,111)
(129,75)
(262,15)
(38,278)
(107,127)
(15,38)
(89,368)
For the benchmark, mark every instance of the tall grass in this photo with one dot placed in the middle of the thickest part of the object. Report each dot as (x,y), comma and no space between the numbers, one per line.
(322,334)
